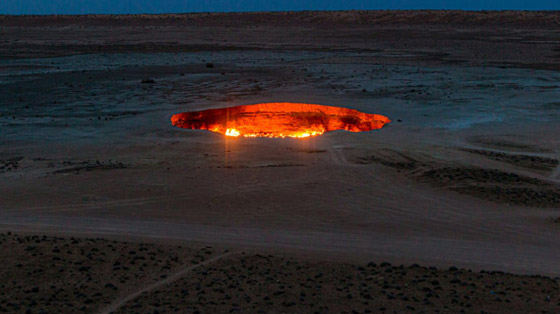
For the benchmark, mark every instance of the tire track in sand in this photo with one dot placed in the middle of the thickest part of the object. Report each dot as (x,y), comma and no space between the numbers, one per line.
(118,303)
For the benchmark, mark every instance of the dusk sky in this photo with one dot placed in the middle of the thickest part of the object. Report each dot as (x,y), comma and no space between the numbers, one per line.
(180,6)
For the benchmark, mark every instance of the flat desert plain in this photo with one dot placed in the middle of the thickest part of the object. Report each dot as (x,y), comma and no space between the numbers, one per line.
(452,207)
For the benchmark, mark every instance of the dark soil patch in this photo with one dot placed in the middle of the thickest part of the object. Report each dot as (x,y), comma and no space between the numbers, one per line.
(81,166)
(494,185)
(10,164)
(531,162)
(43,274)
(505,144)
(272,284)
(490,184)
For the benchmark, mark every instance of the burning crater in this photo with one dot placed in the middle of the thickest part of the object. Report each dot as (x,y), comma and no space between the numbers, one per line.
(279,120)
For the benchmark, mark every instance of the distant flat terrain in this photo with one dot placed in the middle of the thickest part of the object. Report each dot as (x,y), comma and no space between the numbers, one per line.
(527,39)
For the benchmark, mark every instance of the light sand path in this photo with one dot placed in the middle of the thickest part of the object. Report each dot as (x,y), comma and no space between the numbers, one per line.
(115,305)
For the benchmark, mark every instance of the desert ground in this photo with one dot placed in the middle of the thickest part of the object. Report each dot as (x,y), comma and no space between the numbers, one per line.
(465,179)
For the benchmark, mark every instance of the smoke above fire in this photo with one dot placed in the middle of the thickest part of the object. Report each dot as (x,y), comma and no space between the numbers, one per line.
(279,120)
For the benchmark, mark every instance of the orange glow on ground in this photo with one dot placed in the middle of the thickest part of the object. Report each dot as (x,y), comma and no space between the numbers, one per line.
(279,120)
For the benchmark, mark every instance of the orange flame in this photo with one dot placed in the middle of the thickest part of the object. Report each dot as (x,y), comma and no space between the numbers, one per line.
(279,120)
(232,132)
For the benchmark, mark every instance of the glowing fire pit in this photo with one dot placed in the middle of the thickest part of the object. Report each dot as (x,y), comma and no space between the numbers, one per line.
(279,120)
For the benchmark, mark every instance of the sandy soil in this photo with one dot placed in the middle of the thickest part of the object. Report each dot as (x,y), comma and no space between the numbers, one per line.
(466,175)
(82,275)
(77,275)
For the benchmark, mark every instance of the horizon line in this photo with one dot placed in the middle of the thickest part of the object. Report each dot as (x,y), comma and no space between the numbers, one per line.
(288,11)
